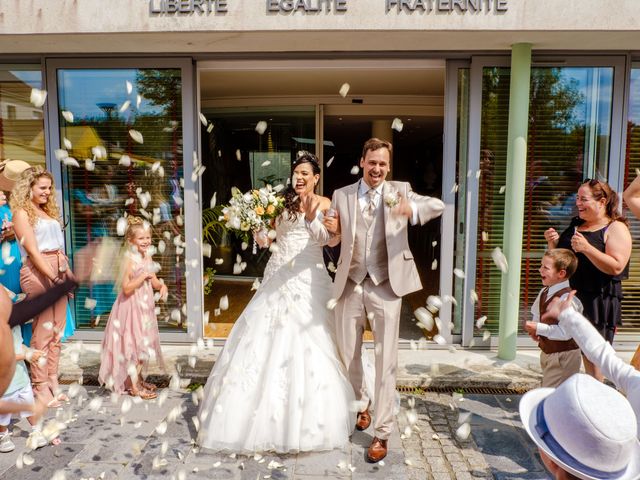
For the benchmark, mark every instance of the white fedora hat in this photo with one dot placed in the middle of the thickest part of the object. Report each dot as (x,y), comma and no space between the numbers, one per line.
(587,428)
(10,171)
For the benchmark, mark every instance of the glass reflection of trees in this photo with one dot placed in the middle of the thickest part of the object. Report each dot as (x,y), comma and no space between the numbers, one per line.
(557,145)
(148,185)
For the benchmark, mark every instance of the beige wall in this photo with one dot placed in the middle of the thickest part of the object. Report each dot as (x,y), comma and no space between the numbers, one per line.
(50,26)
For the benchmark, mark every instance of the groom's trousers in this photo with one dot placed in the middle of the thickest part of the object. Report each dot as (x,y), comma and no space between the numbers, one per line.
(383,307)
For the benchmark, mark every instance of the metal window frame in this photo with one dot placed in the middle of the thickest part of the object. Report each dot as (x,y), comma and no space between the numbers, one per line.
(193,250)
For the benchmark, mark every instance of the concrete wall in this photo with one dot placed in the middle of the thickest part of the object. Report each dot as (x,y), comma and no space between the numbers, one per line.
(42,26)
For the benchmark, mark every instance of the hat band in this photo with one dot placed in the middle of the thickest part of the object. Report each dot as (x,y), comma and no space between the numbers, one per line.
(562,454)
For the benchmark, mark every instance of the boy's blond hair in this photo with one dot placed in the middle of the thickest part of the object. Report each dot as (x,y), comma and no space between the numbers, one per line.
(563,259)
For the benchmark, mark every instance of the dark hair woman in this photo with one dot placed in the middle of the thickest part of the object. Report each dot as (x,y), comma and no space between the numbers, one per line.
(601,240)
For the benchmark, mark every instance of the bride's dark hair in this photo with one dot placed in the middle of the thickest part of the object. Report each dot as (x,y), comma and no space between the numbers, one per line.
(291,198)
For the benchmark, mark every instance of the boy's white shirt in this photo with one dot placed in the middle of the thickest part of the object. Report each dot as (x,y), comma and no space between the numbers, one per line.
(552,332)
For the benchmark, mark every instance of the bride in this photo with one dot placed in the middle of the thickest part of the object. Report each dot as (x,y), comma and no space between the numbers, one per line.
(278,384)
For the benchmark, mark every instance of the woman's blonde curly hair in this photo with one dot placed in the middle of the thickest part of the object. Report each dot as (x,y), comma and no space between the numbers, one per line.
(21,195)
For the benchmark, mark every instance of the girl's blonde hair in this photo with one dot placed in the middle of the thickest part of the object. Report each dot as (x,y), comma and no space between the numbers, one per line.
(21,194)
(133,225)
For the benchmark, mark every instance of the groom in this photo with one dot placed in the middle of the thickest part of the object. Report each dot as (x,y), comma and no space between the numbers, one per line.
(375,270)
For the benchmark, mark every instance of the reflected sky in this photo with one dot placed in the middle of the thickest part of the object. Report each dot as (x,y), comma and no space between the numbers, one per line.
(81,90)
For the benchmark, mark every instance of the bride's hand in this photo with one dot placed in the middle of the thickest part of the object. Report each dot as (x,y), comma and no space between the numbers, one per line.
(310,203)
(261,237)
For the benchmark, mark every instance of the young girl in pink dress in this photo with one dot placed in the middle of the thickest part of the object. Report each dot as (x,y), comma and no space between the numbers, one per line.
(131,337)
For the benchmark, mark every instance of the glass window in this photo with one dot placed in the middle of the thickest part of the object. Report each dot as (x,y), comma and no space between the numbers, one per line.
(631,287)
(568,140)
(21,122)
(123,127)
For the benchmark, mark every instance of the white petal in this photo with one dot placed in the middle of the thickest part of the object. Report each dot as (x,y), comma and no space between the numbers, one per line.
(500,260)
(238,155)
(138,101)
(129,87)
(502,189)
(458,273)
(331,304)
(463,432)
(121,226)
(434,264)
(125,161)
(424,317)
(355,170)
(439,339)
(224,302)
(397,124)
(61,154)
(136,136)
(210,128)
(89,165)
(38,97)
(203,119)
(480,322)
(330,161)
(67,143)
(68,116)
(261,127)
(266,163)
(126,104)
(90,303)
(212,203)
(344,90)
(486,335)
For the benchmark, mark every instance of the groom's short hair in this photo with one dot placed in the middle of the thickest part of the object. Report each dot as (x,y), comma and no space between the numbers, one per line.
(374,144)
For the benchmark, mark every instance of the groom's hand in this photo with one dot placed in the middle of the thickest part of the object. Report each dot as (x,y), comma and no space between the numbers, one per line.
(403,208)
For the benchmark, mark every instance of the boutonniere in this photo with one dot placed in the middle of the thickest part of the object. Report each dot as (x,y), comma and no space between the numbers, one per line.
(391,199)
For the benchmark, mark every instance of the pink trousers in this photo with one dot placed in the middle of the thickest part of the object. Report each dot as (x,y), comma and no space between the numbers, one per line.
(48,327)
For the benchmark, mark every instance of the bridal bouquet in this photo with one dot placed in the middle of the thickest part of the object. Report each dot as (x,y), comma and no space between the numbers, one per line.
(250,212)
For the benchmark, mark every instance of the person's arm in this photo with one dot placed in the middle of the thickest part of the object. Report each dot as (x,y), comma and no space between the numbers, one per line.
(552,237)
(315,227)
(332,224)
(158,284)
(30,307)
(601,353)
(27,238)
(632,196)
(556,332)
(129,284)
(617,249)
(427,208)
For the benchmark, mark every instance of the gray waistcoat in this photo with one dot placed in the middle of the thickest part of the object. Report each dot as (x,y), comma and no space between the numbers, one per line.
(370,248)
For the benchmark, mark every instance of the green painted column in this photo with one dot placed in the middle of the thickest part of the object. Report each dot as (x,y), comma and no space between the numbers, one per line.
(514,197)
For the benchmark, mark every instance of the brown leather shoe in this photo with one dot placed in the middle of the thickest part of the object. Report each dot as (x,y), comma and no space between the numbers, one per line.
(377,450)
(364,420)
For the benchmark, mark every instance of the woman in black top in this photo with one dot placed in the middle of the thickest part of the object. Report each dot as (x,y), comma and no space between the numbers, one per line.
(601,240)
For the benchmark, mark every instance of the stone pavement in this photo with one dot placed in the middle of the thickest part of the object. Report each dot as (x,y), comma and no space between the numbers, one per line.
(127,439)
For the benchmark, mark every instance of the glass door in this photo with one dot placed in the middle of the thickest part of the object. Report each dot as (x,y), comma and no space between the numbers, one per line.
(573,134)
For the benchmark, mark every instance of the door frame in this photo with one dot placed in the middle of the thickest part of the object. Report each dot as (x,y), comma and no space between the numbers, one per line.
(372,105)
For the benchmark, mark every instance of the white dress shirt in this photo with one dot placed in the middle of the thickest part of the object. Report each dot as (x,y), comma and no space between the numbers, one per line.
(602,354)
(363,199)
(552,332)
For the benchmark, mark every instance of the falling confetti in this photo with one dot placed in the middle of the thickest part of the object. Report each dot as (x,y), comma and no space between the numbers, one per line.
(485,236)
(480,322)
(238,155)
(90,303)
(439,339)
(463,432)
(125,105)
(210,128)
(129,87)
(203,119)
(486,335)
(502,189)
(434,264)
(67,115)
(261,127)
(266,163)
(67,143)
(473,296)
(500,260)
(355,170)
(136,136)
(331,304)
(344,90)
(397,124)
(38,97)
(424,317)
(125,161)
(458,273)
(224,302)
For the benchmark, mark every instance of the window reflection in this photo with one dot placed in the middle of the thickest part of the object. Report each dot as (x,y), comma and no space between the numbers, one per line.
(21,123)
(124,128)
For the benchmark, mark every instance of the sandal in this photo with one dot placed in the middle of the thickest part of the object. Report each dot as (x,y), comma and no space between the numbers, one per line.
(143,394)
(148,386)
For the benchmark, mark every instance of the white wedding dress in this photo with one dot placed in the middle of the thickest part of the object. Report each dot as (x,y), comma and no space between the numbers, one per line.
(278,384)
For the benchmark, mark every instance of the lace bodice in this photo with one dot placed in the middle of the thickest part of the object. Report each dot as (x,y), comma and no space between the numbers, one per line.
(294,248)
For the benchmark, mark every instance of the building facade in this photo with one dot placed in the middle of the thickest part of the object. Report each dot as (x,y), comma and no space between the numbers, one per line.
(152,107)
